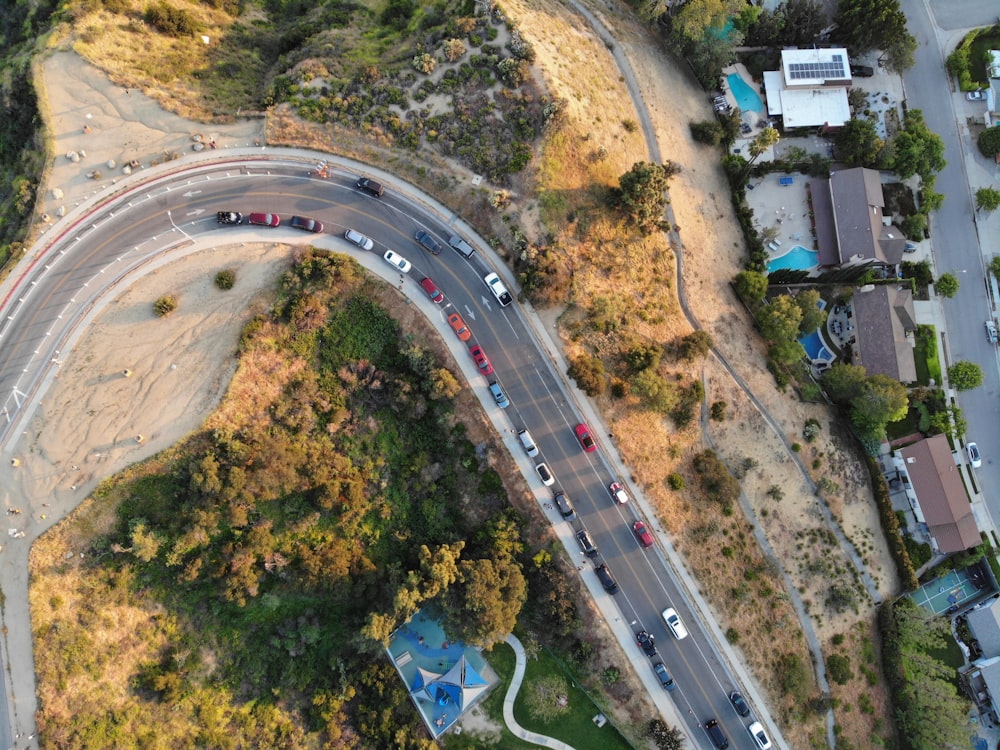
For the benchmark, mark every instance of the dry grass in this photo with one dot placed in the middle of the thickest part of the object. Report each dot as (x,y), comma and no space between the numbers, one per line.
(861,707)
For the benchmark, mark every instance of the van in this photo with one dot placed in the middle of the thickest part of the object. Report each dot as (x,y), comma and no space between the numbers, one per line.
(606,579)
(370,186)
(527,443)
(716,734)
(862,71)
(462,247)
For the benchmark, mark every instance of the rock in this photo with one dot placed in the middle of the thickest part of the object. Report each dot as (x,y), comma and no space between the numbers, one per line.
(61,211)
(126,169)
(83,154)
(112,164)
(73,156)
(57,193)
(198,147)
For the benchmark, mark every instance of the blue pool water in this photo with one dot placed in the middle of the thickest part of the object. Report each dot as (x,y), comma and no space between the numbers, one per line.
(815,349)
(798,258)
(747,99)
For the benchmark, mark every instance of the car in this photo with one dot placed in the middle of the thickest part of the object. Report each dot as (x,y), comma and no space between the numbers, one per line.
(974,457)
(760,738)
(665,679)
(607,580)
(586,543)
(862,71)
(563,506)
(228,217)
(975,96)
(370,186)
(461,247)
(482,361)
(264,220)
(397,261)
(642,534)
(716,734)
(545,475)
(306,224)
(585,438)
(646,641)
(432,291)
(739,703)
(498,395)
(499,290)
(673,621)
(991,331)
(458,326)
(427,242)
(618,493)
(365,243)
(910,247)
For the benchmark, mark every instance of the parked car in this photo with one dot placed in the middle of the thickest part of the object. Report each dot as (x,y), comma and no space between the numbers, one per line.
(975,96)
(458,326)
(642,534)
(498,395)
(228,217)
(716,734)
(499,290)
(760,738)
(545,475)
(607,580)
(910,247)
(432,291)
(427,242)
(306,224)
(462,247)
(564,507)
(646,641)
(974,458)
(665,679)
(618,493)
(586,543)
(371,187)
(482,361)
(585,438)
(264,220)
(739,703)
(396,260)
(991,331)
(365,243)
(673,621)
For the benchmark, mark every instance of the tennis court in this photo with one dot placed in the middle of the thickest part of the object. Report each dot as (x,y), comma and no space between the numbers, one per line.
(941,594)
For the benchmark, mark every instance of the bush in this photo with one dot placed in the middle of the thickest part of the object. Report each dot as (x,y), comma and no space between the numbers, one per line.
(225,279)
(793,676)
(588,372)
(718,411)
(719,485)
(709,132)
(675,481)
(165,305)
(170,20)
(890,528)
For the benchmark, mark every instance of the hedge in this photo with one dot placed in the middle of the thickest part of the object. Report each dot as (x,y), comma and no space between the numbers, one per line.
(890,528)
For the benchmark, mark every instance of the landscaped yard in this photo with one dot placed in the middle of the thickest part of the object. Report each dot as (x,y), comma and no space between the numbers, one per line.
(925,356)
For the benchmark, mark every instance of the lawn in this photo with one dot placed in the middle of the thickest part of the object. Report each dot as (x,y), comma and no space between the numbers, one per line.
(925,356)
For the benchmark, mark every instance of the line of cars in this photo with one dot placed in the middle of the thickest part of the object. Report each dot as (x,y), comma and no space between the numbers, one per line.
(755,729)
(268,220)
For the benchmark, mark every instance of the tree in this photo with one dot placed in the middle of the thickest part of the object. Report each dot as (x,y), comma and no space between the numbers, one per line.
(995,266)
(915,149)
(703,32)
(804,20)
(696,344)
(839,667)
(751,286)
(989,142)
(864,25)
(857,143)
(879,401)
(664,736)
(761,143)
(483,607)
(948,421)
(780,320)
(700,18)
(900,53)
(987,199)
(656,391)
(946,285)
(643,193)
(965,376)
(588,372)
(708,131)
(812,316)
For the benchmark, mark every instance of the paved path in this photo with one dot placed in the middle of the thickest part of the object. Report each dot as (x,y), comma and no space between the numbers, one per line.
(508,702)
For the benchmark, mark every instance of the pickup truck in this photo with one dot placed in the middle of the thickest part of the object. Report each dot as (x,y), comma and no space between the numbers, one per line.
(229,217)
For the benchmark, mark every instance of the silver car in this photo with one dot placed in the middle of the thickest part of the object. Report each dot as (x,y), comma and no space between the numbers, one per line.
(365,243)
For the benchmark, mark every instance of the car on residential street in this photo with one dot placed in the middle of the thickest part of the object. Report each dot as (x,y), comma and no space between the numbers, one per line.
(482,361)
(564,506)
(362,241)
(545,475)
(974,457)
(991,331)
(458,326)
(432,291)
(975,96)
(499,290)
(642,534)
(760,737)
(673,621)
(306,224)
(397,261)
(229,217)
(739,703)
(587,545)
(264,220)
(618,493)
(665,679)
(498,395)
(427,242)
(585,438)
(646,641)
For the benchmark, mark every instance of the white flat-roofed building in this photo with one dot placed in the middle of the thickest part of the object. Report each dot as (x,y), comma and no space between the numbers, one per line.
(810,89)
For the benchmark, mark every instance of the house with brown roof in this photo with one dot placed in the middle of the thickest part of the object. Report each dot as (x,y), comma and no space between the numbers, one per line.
(851,226)
(937,495)
(884,331)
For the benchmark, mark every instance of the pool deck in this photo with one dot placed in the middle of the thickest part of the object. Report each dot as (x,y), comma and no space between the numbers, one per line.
(750,118)
(783,209)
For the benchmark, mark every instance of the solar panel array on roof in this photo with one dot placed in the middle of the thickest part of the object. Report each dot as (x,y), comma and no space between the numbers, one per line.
(826,70)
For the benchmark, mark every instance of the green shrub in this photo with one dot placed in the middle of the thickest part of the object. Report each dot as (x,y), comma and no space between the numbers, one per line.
(170,20)
(675,481)
(225,279)
(588,372)
(718,411)
(709,132)
(890,528)
(165,305)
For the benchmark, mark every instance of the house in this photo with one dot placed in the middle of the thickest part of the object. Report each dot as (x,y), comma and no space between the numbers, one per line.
(810,89)
(984,624)
(983,679)
(851,226)
(884,328)
(937,495)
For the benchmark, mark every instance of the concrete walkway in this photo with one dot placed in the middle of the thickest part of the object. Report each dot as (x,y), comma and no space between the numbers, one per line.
(508,701)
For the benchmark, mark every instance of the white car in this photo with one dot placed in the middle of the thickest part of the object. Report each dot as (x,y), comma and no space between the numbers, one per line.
(975,96)
(991,331)
(759,735)
(974,458)
(618,493)
(499,290)
(545,475)
(674,623)
(397,261)
(365,243)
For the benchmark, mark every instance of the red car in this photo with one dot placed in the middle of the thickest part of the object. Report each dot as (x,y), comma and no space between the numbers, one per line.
(483,363)
(432,291)
(264,220)
(585,438)
(642,534)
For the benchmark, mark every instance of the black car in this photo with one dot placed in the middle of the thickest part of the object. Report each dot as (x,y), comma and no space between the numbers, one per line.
(665,679)
(306,224)
(229,217)
(607,580)
(563,504)
(739,703)
(646,641)
(586,543)
(427,242)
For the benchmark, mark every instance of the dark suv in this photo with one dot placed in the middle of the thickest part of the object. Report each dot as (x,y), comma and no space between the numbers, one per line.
(427,242)
(665,679)
(716,734)
(607,580)
(645,640)
(370,186)
(739,703)
(563,504)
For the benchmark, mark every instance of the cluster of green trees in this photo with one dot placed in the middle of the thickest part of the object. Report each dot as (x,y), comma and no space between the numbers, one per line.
(784,319)
(871,401)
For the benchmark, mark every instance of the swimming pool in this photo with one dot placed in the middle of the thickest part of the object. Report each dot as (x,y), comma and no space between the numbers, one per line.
(747,99)
(815,349)
(798,258)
